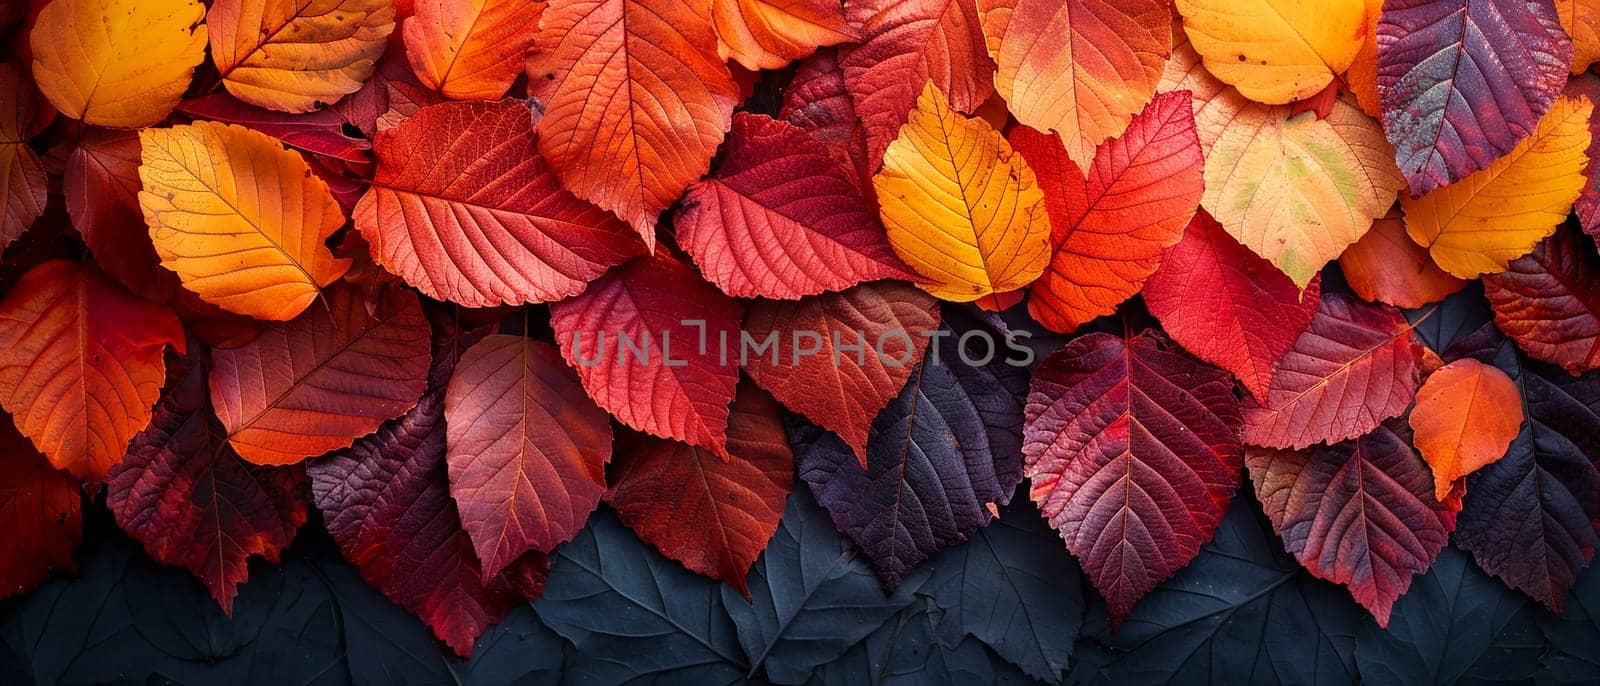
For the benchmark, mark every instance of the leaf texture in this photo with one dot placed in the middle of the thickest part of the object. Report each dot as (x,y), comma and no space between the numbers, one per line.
(652,310)
(43,509)
(1499,214)
(1108,231)
(23,189)
(297,55)
(1228,306)
(316,384)
(960,207)
(1466,415)
(1387,266)
(1087,87)
(526,449)
(81,364)
(470,49)
(1581,20)
(1360,513)
(1132,455)
(1275,51)
(239,218)
(1462,82)
(321,132)
(819,101)
(481,221)
(667,99)
(768,34)
(1355,366)
(101,184)
(779,218)
(188,497)
(734,504)
(117,63)
(1549,302)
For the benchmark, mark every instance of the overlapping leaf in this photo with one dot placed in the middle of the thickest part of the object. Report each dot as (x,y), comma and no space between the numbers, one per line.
(23,114)
(1132,455)
(1467,414)
(768,34)
(1549,302)
(1355,366)
(42,508)
(297,55)
(780,218)
(1387,266)
(1273,51)
(102,185)
(1108,231)
(1581,21)
(470,49)
(482,221)
(818,100)
(527,450)
(321,132)
(117,63)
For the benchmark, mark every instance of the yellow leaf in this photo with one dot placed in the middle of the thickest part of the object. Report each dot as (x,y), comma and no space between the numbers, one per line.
(1215,103)
(768,34)
(960,207)
(1581,20)
(117,63)
(1275,51)
(297,55)
(1479,224)
(1299,190)
(241,219)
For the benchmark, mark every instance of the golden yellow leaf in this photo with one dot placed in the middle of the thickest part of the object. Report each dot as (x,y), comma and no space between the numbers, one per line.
(241,219)
(1297,190)
(297,55)
(1275,51)
(1479,224)
(961,208)
(768,34)
(117,63)
(1215,103)
(1581,20)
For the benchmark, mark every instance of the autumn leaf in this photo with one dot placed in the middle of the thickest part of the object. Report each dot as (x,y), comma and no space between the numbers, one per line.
(297,55)
(117,63)
(1273,51)
(1081,68)
(1462,82)
(525,448)
(819,101)
(1467,414)
(768,34)
(315,384)
(101,184)
(670,99)
(81,364)
(1581,20)
(652,342)
(1362,76)
(1108,231)
(1549,302)
(481,221)
(839,386)
(1355,366)
(1360,513)
(1227,306)
(735,504)
(321,132)
(43,510)
(1587,206)
(470,49)
(239,218)
(904,45)
(1298,190)
(1387,266)
(1132,453)
(23,189)
(960,207)
(1496,215)
(188,497)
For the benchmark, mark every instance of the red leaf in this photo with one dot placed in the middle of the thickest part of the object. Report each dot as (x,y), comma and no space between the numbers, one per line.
(656,347)
(81,363)
(720,513)
(1108,231)
(905,44)
(464,209)
(778,218)
(1133,455)
(1354,367)
(1587,206)
(320,132)
(1227,305)
(1549,301)
(188,497)
(23,191)
(102,190)
(317,383)
(527,450)
(1360,513)
(43,511)
(839,386)
(818,101)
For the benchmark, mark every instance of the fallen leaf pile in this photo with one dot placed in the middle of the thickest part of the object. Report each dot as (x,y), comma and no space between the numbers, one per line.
(447,275)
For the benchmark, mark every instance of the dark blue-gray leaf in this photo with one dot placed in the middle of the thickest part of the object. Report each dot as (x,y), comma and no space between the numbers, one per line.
(906,650)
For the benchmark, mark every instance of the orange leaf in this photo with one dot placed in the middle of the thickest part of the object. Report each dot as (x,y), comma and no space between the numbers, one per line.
(241,219)
(81,364)
(297,55)
(1387,266)
(636,101)
(960,207)
(1079,68)
(768,34)
(117,63)
(1467,414)
(1362,76)
(470,49)
(1581,20)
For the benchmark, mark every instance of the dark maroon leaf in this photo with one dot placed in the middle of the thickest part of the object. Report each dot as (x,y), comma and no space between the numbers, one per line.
(320,132)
